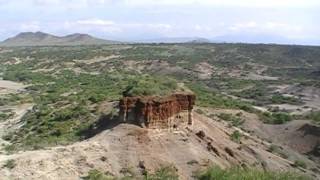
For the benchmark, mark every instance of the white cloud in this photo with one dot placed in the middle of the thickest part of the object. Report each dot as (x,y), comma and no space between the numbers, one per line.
(95,22)
(239,3)
(103,25)
(145,3)
(202,28)
(243,26)
(30,26)
(277,28)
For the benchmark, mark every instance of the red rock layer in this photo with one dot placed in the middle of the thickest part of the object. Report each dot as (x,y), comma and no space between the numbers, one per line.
(156,111)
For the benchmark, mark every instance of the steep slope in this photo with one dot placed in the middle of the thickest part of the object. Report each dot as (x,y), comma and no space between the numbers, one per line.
(44,39)
(125,147)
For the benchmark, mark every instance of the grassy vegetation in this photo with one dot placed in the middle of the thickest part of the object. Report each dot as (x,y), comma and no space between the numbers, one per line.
(280,99)
(234,120)
(275,118)
(163,173)
(95,174)
(209,98)
(6,115)
(315,116)
(10,164)
(67,91)
(236,136)
(277,150)
(63,103)
(212,173)
(237,173)
(148,85)
(300,163)
(167,173)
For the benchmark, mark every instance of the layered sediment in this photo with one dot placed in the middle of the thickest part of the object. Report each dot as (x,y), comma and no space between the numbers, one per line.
(158,112)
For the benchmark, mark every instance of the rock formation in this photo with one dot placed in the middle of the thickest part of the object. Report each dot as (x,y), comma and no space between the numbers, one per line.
(158,112)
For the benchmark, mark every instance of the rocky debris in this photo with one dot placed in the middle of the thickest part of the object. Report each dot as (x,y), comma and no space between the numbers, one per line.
(309,129)
(143,168)
(316,150)
(201,134)
(211,148)
(229,151)
(158,112)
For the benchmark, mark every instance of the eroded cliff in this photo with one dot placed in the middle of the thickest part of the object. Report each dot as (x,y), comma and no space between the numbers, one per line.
(158,112)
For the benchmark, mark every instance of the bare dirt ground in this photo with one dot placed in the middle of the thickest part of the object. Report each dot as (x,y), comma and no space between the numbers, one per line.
(308,94)
(7,87)
(14,122)
(204,70)
(124,147)
(98,59)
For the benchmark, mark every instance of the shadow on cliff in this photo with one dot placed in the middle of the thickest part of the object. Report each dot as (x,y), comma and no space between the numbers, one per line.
(105,122)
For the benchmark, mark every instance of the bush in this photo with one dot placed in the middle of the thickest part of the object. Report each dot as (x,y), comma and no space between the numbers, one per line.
(281,118)
(98,175)
(275,118)
(237,173)
(207,97)
(235,120)
(315,116)
(277,150)
(236,136)
(165,173)
(10,164)
(300,163)
(279,99)
(147,86)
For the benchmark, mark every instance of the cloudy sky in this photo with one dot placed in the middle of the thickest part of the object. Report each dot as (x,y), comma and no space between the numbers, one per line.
(265,21)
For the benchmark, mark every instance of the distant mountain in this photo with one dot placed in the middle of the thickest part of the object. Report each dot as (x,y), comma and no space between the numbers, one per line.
(200,40)
(175,40)
(44,39)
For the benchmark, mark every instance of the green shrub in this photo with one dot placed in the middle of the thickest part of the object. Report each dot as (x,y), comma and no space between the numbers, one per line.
(210,98)
(275,118)
(238,173)
(280,118)
(300,163)
(280,99)
(147,86)
(10,164)
(98,175)
(235,120)
(164,173)
(5,116)
(236,136)
(315,116)
(277,150)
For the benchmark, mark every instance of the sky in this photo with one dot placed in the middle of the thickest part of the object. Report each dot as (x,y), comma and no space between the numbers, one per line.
(252,21)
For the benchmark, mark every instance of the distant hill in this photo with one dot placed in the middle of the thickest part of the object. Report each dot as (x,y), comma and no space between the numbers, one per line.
(175,40)
(200,40)
(44,39)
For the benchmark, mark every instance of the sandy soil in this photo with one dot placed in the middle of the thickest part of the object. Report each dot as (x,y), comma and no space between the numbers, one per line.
(7,87)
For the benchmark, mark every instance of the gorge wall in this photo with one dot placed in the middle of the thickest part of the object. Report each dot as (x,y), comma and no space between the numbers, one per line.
(158,112)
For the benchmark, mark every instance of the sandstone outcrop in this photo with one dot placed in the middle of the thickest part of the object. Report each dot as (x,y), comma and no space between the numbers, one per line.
(158,112)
